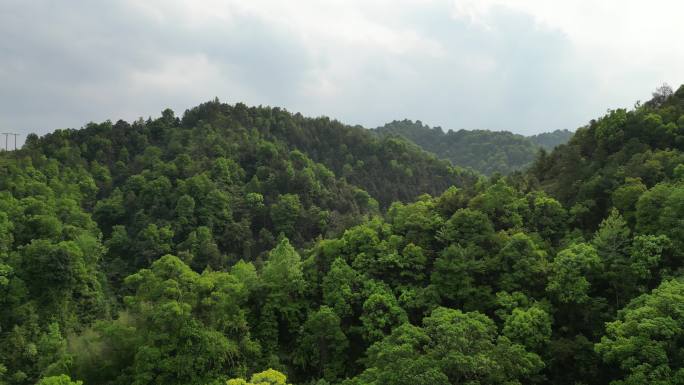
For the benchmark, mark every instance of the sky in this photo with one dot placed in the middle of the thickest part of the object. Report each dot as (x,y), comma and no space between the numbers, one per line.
(526,66)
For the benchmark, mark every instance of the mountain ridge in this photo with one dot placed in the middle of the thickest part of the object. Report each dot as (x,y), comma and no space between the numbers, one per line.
(484,151)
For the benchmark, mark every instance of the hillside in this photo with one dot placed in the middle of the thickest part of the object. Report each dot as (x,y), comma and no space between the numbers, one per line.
(245,245)
(238,172)
(549,140)
(81,210)
(387,168)
(484,151)
(614,159)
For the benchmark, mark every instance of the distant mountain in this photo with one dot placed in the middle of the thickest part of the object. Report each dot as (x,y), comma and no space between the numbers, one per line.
(549,140)
(484,151)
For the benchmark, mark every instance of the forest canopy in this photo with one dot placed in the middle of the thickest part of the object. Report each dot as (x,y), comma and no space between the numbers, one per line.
(248,245)
(486,152)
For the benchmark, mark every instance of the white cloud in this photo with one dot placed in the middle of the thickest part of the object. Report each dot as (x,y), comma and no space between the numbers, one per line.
(521,65)
(631,44)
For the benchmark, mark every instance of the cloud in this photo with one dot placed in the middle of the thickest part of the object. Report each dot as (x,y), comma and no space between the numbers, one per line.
(520,65)
(630,45)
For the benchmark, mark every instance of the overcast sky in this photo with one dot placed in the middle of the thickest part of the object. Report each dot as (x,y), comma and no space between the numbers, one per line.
(525,66)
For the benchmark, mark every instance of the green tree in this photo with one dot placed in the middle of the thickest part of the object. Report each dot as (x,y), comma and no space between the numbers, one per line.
(282,274)
(152,242)
(645,340)
(455,277)
(568,280)
(62,379)
(381,313)
(612,241)
(191,328)
(283,303)
(203,249)
(322,345)
(547,217)
(285,213)
(497,202)
(451,347)
(529,327)
(469,228)
(522,265)
(342,289)
(626,196)
(417,222)
(267,377)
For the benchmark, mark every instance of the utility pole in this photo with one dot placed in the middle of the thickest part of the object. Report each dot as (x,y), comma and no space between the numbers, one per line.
(7,134)
(15,141)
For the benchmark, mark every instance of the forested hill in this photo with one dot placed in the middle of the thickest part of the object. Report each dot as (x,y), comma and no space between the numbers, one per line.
(387,168)
(615,159)
(250,173)
(233,246)
(485,151)
(549,140)
(81,210)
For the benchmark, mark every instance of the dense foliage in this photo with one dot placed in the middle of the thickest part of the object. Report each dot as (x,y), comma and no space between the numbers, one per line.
(617,158)
(215,249)
(550,140)
(389,169)
(487,152)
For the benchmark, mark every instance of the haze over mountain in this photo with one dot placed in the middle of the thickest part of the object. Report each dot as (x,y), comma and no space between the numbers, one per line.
(484,151)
